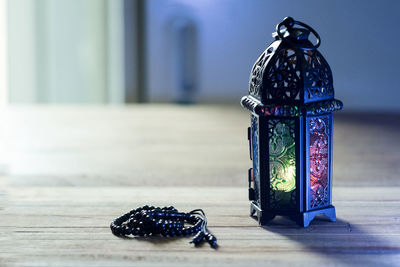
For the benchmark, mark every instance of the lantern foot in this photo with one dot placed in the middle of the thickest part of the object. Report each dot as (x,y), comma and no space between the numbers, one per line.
(262,217)
(308,216)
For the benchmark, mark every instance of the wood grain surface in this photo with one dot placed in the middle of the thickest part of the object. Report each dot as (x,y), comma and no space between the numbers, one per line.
(68,226)
(66,172)
(159,145)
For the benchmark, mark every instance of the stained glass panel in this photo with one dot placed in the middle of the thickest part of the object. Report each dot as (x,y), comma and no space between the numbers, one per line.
(255,144)
(319,161)
(282,163)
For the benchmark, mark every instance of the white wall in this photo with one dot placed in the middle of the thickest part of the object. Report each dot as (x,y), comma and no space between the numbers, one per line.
(359,40)
(72,51)
(3,54)
(21,51)
(65,51)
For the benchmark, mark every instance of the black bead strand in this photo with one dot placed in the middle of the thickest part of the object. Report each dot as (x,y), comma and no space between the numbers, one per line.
(166,221)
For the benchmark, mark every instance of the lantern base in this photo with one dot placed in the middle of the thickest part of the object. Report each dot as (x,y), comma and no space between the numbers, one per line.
(307,217)
(301,218)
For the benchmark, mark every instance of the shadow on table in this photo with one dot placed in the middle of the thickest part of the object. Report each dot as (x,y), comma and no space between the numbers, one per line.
(340,242)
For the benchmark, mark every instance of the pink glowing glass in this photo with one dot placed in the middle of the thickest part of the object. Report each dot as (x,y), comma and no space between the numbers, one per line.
(319,162)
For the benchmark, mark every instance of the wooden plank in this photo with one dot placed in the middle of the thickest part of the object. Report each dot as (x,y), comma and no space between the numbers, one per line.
(68,226)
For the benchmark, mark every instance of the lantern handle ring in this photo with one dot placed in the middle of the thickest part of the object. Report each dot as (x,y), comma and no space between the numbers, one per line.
(289,22)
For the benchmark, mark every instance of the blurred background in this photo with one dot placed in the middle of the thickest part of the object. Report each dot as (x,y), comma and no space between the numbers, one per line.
(74,76)
(129,51)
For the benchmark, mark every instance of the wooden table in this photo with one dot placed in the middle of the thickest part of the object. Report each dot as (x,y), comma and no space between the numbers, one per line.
(66,172)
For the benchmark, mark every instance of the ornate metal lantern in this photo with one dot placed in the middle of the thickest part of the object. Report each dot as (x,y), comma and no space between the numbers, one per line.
(291,99)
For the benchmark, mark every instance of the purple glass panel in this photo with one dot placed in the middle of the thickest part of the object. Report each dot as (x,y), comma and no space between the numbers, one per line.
(319,161)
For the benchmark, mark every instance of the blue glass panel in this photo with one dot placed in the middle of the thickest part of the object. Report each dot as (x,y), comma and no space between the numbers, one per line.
(256,162)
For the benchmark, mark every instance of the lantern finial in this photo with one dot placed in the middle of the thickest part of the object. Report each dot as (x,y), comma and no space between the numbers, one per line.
(293,35)
(288,22)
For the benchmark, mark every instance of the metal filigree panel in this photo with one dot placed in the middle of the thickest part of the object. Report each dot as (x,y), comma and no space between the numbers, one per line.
(282,163)
(283,80)
(319,161)
(256,76)
(255,143)
(317,77)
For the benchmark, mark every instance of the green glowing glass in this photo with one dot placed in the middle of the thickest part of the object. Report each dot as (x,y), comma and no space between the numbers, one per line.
(282,163)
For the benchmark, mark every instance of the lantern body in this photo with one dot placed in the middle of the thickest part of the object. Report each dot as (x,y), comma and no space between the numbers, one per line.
(291,99)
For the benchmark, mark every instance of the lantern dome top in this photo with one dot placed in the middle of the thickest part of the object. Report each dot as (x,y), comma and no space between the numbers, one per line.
(292,74)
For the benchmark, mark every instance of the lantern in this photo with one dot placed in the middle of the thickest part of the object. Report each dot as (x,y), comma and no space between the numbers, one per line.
(291,99)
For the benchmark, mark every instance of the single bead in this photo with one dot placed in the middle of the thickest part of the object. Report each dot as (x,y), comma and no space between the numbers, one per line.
(132,211)
(211,239)
(143,213)
(135,232)
(192,219)
(115,230)
(126,216)
(198,238)
(126,230)
(160,214)
(185,231)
